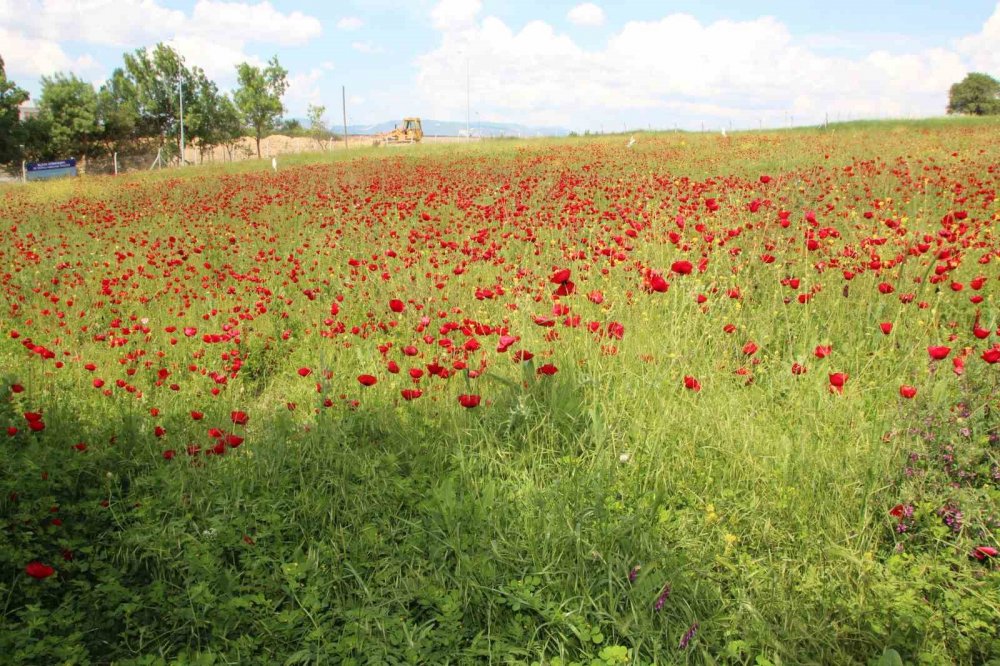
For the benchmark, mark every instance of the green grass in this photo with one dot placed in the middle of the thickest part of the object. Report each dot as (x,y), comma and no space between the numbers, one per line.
(380,530)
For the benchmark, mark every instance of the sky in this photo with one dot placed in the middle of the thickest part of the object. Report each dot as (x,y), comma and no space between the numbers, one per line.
(598,66)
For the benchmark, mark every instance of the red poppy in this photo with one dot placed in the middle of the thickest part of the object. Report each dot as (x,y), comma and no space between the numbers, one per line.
(939,353)
(822,351)
(983,552)
(469,401)
(38,571)
(197,416)
(658,284)
(396,305)
(691,383)
(560,276)
(750,348)
(991,355)
(169,454)
(239,418)
(886,327)
(897,511)
(907,391)
(411,394)
(367,380)
(798,369)
(837,381)
(304,372)
(682,267)
(548,369)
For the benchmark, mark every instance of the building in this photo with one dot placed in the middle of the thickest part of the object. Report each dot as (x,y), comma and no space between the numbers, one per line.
(27,111)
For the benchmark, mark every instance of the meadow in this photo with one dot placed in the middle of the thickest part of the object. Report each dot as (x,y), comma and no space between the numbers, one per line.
(706,399)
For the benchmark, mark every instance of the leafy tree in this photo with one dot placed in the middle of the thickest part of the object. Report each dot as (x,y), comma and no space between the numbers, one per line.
(977,94)
(11,132)
(69,105)
(213,119)
(155,77)
(318,129)
(118,111)
(258,97)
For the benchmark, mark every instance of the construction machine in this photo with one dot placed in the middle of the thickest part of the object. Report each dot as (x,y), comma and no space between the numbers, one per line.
(410,132)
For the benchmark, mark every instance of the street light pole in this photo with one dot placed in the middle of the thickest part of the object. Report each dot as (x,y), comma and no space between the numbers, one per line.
(180,94)
(468,96)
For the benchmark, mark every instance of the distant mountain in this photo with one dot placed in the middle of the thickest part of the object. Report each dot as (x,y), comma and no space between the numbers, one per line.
(451,128)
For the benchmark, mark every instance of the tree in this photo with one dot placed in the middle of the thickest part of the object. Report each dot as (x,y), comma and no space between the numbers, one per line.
(69,105)
(977,94)
(118,112)
(258,97)
(155,77)
(317,126)
(11,98)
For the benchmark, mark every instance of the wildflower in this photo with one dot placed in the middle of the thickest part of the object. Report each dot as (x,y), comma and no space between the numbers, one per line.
(633,573)
(688,635)
(662,599)
(38,571)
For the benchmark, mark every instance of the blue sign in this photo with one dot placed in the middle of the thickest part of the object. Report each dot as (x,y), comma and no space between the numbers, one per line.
(46,170)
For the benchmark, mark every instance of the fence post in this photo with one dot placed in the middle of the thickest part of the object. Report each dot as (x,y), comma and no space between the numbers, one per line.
(24,171)
(116,163)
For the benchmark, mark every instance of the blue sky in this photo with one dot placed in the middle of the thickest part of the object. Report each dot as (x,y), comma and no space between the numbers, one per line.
(579,65)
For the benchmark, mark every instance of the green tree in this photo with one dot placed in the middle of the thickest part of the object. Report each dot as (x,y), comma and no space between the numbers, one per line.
(155,77)
(258,97)
(318,129)
(118,112)
(69,105)
(213,119)
(11,132)
(977,94)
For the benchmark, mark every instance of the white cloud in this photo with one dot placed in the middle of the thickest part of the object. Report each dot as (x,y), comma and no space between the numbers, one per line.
(586,14)
(983,50)
(303,89)
(675,69)
(366,47)
(455,14)
(213,35)
(350,23)
(39,57)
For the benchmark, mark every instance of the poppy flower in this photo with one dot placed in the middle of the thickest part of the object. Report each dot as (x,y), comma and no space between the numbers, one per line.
(983,552)
(750,348)
(505,343)
(798,369)
(886,327)
(939,353)
(682,267)
(907,391)
(548,369)
(657,284)
(837,381)
(896,511)
(38,571)
(596,297)
(691,383)
(197,416)
(396,305)
(469,401)
(367,380)
(822,351)
(411,394)
(304,372)
(169,454)
(239,418)
(992,355)
(560,276)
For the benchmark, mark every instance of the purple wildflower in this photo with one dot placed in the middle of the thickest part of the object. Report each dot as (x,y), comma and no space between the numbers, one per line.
(633,573)
(688,635)
(662,599)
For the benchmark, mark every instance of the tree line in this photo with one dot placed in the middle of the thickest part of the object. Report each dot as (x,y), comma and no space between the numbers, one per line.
(138,109)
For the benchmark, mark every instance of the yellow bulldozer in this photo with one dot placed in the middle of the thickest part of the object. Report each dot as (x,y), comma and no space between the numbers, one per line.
(410,132)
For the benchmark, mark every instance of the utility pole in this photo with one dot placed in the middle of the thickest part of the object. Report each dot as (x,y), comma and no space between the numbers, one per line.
(180,93)
(343,101)
(468,97)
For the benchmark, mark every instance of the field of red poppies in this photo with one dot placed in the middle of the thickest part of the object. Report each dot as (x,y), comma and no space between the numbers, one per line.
(703,400)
